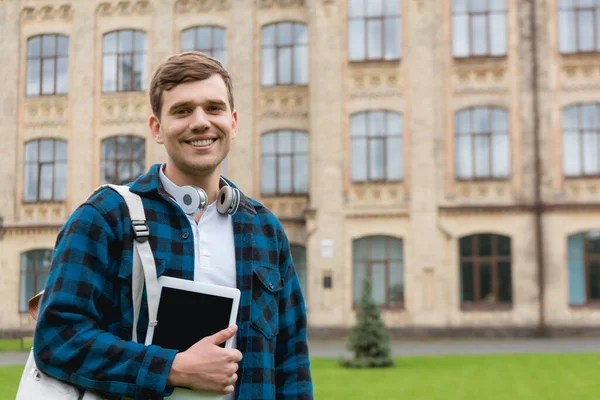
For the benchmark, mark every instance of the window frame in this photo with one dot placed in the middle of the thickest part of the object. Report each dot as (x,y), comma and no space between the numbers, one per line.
(303,267)
(578,10)
(40,164)
(476,260)
(38,255)
(41,58)
(580,133)
(368,262)
(211,51)
(469,14)
(131,54)
(588,258)
(132,139)
(276,46)
(293,154)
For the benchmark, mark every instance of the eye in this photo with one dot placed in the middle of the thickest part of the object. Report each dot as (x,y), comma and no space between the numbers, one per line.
(182,111)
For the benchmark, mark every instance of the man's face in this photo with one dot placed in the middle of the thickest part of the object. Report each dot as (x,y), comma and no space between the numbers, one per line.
(196,126)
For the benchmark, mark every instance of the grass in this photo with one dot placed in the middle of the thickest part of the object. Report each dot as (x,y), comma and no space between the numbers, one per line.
(14,345)
(493,377)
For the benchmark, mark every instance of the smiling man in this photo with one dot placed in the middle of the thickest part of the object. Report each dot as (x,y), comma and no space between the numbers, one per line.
(202,227)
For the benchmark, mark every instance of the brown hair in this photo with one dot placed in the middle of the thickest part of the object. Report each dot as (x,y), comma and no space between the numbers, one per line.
(189,66)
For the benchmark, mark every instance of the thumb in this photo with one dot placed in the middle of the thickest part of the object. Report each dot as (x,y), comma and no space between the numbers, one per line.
(224,335)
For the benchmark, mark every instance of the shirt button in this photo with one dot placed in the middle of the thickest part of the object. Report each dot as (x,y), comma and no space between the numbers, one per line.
(185,235)
(271,285)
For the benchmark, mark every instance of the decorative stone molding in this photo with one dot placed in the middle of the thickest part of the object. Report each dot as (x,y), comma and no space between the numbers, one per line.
(375,84)
(45,111)
(283,3)
(284,103)
(42,213)
(483,190)
(474,79)
(581,73)
(122,108)
(47,12)
(368,194)
(124,8)
(287,207)
(582,189)
(201,6)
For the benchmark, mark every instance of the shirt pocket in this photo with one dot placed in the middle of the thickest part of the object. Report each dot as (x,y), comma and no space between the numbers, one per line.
(264,310)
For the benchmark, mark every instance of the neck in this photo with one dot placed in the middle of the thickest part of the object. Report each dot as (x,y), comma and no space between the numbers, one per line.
(209,181)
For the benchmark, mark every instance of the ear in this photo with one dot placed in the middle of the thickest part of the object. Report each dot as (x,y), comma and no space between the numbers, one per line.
(234,124)
(154,124)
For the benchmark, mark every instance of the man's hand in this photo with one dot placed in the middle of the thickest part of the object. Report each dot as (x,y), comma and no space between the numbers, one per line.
(207,367)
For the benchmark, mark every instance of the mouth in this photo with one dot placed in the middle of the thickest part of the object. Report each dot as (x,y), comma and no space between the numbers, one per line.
(201,143)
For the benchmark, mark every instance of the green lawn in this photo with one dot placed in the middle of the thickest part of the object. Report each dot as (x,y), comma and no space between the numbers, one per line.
(500,377)
(14,344)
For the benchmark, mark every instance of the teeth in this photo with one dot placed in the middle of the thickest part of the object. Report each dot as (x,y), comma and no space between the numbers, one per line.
(205,142)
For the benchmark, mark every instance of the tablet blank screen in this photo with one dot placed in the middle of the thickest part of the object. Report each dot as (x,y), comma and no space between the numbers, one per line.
(185,317)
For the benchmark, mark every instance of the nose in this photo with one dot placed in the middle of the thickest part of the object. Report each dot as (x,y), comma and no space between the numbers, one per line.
(199,121)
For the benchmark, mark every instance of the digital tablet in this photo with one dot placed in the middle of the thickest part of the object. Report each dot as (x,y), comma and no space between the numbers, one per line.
(189,311)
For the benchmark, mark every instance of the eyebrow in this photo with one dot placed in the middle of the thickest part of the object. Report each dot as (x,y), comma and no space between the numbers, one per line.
(212,102)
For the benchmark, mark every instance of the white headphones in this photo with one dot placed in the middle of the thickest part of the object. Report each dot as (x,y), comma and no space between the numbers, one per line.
(192,199)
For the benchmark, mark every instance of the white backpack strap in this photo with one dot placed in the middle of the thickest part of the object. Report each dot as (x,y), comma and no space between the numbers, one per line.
(142,259)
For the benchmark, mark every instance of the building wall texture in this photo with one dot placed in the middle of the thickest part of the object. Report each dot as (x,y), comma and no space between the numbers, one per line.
(430,210)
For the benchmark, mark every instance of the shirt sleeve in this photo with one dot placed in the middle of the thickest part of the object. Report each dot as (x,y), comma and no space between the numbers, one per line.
(71,340)
(292,364)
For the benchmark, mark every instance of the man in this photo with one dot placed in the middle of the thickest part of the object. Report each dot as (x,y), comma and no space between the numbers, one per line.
(83,334)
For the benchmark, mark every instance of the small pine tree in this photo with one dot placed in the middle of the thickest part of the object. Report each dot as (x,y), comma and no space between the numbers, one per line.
(369,339)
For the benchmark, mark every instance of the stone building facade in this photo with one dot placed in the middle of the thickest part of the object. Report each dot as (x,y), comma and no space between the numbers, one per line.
(484,215)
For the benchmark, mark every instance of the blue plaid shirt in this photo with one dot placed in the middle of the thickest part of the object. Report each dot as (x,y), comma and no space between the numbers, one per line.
(83,334)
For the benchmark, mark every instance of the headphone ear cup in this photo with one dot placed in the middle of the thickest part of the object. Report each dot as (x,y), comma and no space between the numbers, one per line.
(189,199)
(225,200)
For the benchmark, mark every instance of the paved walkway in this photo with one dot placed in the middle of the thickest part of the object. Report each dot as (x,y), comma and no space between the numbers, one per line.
(335,349)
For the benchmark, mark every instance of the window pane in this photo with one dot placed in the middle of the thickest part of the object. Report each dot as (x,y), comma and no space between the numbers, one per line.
(62,75)
(356,8)
(479,32)
(268,175)
(48,45)
(501,155)
(394,159)
(109,74)
(377,124)
(358,159)
(394,124)
(504,283)
(358,278)
(300,142)
(396,286)
(60,150)
(464,157)
(46,150)
(466,280)
(123,172)
(482,157)
(63,46)
(110,43)
(31,151)
(570,118)
(591,153)
(376,159)
(567,29)
(356,39)
(284,65)
(139,148)
(48,76)
(139,78)
(589,116)
(285,174)
(219,38)
(377,248)
(571,154)
(478,5)
(497,5)
(592,243)
(358,125)
(498,34)
(268,144)
(123,147)
(485,284)
(268,35)
(60,181)
(268,66)
(221,56)
(392,38)
(33,77)
(300,65)
(284,142)
(595,280)
(586,30)
(46,184)
(499,121)
(125,72)
(481,120)
(300,174)
(378,282)
(391,7)
(125,41)
(203,39)
(460,35)
(108,172)
(374,8)
(503,245)
(34,47)
(374,39)
(300,34)
(31,182)
(284,34)
(460,5)
(187,40)
(484,245)
(466,246)
(360,249)
(462,122)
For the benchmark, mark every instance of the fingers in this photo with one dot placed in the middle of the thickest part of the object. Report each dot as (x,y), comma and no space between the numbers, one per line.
(223,336)
(234,355)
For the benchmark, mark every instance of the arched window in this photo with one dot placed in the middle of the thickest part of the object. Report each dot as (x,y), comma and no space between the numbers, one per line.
(45,175)
(381,260)
(482,143)
(47,65)
(485,270)
(35,265)
(584,268)
(284,54)
(376,146)
(478,28)
(210,40)
(578,26)
(299,259)
(284,163)
(581,140)
(374,30)
(123,159)
(124,61)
